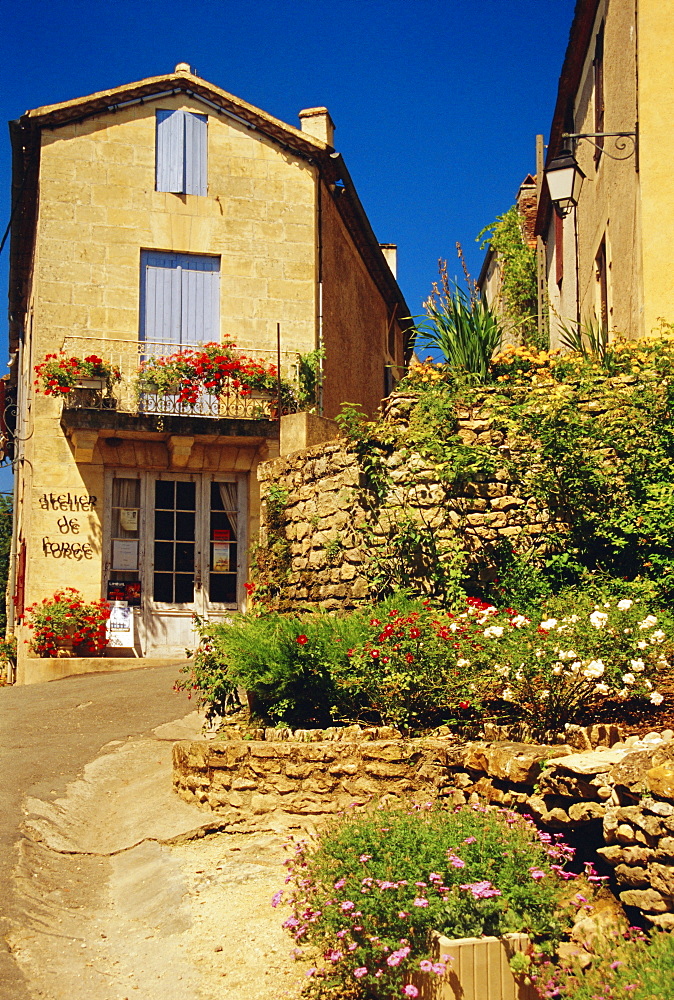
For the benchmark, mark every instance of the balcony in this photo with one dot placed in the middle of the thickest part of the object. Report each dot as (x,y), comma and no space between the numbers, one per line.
(129,398)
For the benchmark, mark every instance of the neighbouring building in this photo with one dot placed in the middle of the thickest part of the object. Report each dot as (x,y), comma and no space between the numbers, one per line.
(147,219)
(609,260)
(490,279)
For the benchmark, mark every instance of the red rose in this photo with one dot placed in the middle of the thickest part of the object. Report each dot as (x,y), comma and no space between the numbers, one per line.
(302,640)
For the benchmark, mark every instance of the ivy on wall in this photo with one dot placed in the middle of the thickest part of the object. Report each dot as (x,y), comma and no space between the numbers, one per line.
(517,261)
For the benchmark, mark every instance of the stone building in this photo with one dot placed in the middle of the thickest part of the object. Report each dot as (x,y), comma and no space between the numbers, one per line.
(150,218)
(609,259)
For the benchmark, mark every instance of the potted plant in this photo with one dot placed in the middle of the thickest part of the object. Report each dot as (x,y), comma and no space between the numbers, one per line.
(424,901)
(213,369)
(67,625)
(58,374)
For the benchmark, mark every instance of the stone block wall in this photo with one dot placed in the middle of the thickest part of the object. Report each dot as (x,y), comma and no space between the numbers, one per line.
(330,534)
(619,795)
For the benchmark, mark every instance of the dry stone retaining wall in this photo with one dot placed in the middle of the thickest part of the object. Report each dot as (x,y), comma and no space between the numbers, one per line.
(325,512)
(623,794)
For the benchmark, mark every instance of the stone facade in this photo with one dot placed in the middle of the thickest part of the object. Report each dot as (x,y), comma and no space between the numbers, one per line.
(97,243)
(330,535)
(619,792)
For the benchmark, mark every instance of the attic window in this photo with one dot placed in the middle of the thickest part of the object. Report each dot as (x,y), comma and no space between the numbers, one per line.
(181,164)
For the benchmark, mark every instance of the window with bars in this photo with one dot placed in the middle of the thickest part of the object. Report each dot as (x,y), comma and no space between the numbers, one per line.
(182,152)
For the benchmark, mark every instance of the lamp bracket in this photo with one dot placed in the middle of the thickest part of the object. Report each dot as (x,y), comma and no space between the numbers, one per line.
(618,136)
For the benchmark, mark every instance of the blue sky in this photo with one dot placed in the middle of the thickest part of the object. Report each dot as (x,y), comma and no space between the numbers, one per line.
(437,102)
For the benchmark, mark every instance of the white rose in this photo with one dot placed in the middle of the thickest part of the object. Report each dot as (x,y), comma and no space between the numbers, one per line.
(638,666)
(493,632)
(463,663)
(575,667)
(508,694)
(548,624)
(598,619)
(628,678)
(519,620)
(657,698)
(544,695)
(657,636)
(623,693)
(648,622)
(557,669)
(594,669)
(648,685)
(601,688)
(624,605)
(501,671)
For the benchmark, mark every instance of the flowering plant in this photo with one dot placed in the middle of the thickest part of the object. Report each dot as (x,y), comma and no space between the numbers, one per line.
(67,615)
(58,374)
(380,881)
(548,667)
(628,964)
(212,368)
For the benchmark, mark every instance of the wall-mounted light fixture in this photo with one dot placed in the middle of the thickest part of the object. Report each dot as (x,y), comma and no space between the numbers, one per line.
(565,177)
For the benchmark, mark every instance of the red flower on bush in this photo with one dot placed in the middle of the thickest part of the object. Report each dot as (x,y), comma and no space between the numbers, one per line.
(302,640)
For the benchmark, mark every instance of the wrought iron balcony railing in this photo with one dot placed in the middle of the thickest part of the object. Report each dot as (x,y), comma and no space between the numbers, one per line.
(131,396)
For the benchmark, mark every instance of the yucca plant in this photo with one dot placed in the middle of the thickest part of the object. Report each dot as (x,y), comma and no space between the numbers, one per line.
(462,326)
(589,338)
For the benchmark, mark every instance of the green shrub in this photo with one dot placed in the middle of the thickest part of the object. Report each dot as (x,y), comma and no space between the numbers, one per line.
(381,880)
(629,965)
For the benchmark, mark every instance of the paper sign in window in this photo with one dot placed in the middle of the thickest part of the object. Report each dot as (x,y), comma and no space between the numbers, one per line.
(128,519)
(120,630)
(220,557)
(125,553)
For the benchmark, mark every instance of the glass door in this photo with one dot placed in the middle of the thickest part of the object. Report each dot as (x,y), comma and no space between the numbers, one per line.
(175,555)
(221,574)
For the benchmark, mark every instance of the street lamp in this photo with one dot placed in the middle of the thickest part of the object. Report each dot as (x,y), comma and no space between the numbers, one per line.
(565,179)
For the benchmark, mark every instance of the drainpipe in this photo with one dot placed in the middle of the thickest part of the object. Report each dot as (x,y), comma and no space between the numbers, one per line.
(319,395)
(11,585)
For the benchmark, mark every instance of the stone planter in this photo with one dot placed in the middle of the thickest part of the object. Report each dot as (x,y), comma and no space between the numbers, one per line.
(479,970)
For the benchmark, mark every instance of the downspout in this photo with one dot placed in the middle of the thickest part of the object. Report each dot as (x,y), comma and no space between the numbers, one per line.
(11,586)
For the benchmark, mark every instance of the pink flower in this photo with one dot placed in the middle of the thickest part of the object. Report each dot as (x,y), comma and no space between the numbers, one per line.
(346,905)
(454,861)
(365,857)
(276,898)
(470,840)
(439,968)
(481,890)
(410,991)
(340,884)
(536,874)
(425,965)
(403,915)
(359,973)
(420,902)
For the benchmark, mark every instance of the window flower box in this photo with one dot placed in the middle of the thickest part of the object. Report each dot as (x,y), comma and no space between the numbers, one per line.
(479,970)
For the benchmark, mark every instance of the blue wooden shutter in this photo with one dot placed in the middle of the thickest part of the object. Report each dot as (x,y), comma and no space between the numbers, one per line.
(170,151)
(196,146)
(200,295)
(160,297)
(180,298)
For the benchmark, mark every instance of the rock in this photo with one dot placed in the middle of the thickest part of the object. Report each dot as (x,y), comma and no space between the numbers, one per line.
(666,847)
(662,878)
(571,955)
(634,815)
(607,915)
(592,763)
(658,808)
(648,900)
(616,855)
(630,773)
(604,735)
(625,834)
(586,812)
(635,878)
(519,763)
(660,781)
(665,922)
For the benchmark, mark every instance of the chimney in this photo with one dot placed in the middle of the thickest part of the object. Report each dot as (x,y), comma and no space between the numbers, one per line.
(318,123)
(390,251)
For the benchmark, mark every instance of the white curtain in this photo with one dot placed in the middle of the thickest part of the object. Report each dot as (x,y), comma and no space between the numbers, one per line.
(230,501)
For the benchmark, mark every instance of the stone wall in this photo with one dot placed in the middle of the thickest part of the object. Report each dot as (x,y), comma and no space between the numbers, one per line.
(329,532)
(620,796)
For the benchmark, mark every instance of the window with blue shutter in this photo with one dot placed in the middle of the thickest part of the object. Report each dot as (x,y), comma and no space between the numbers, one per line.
(179,298)
(181,152)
